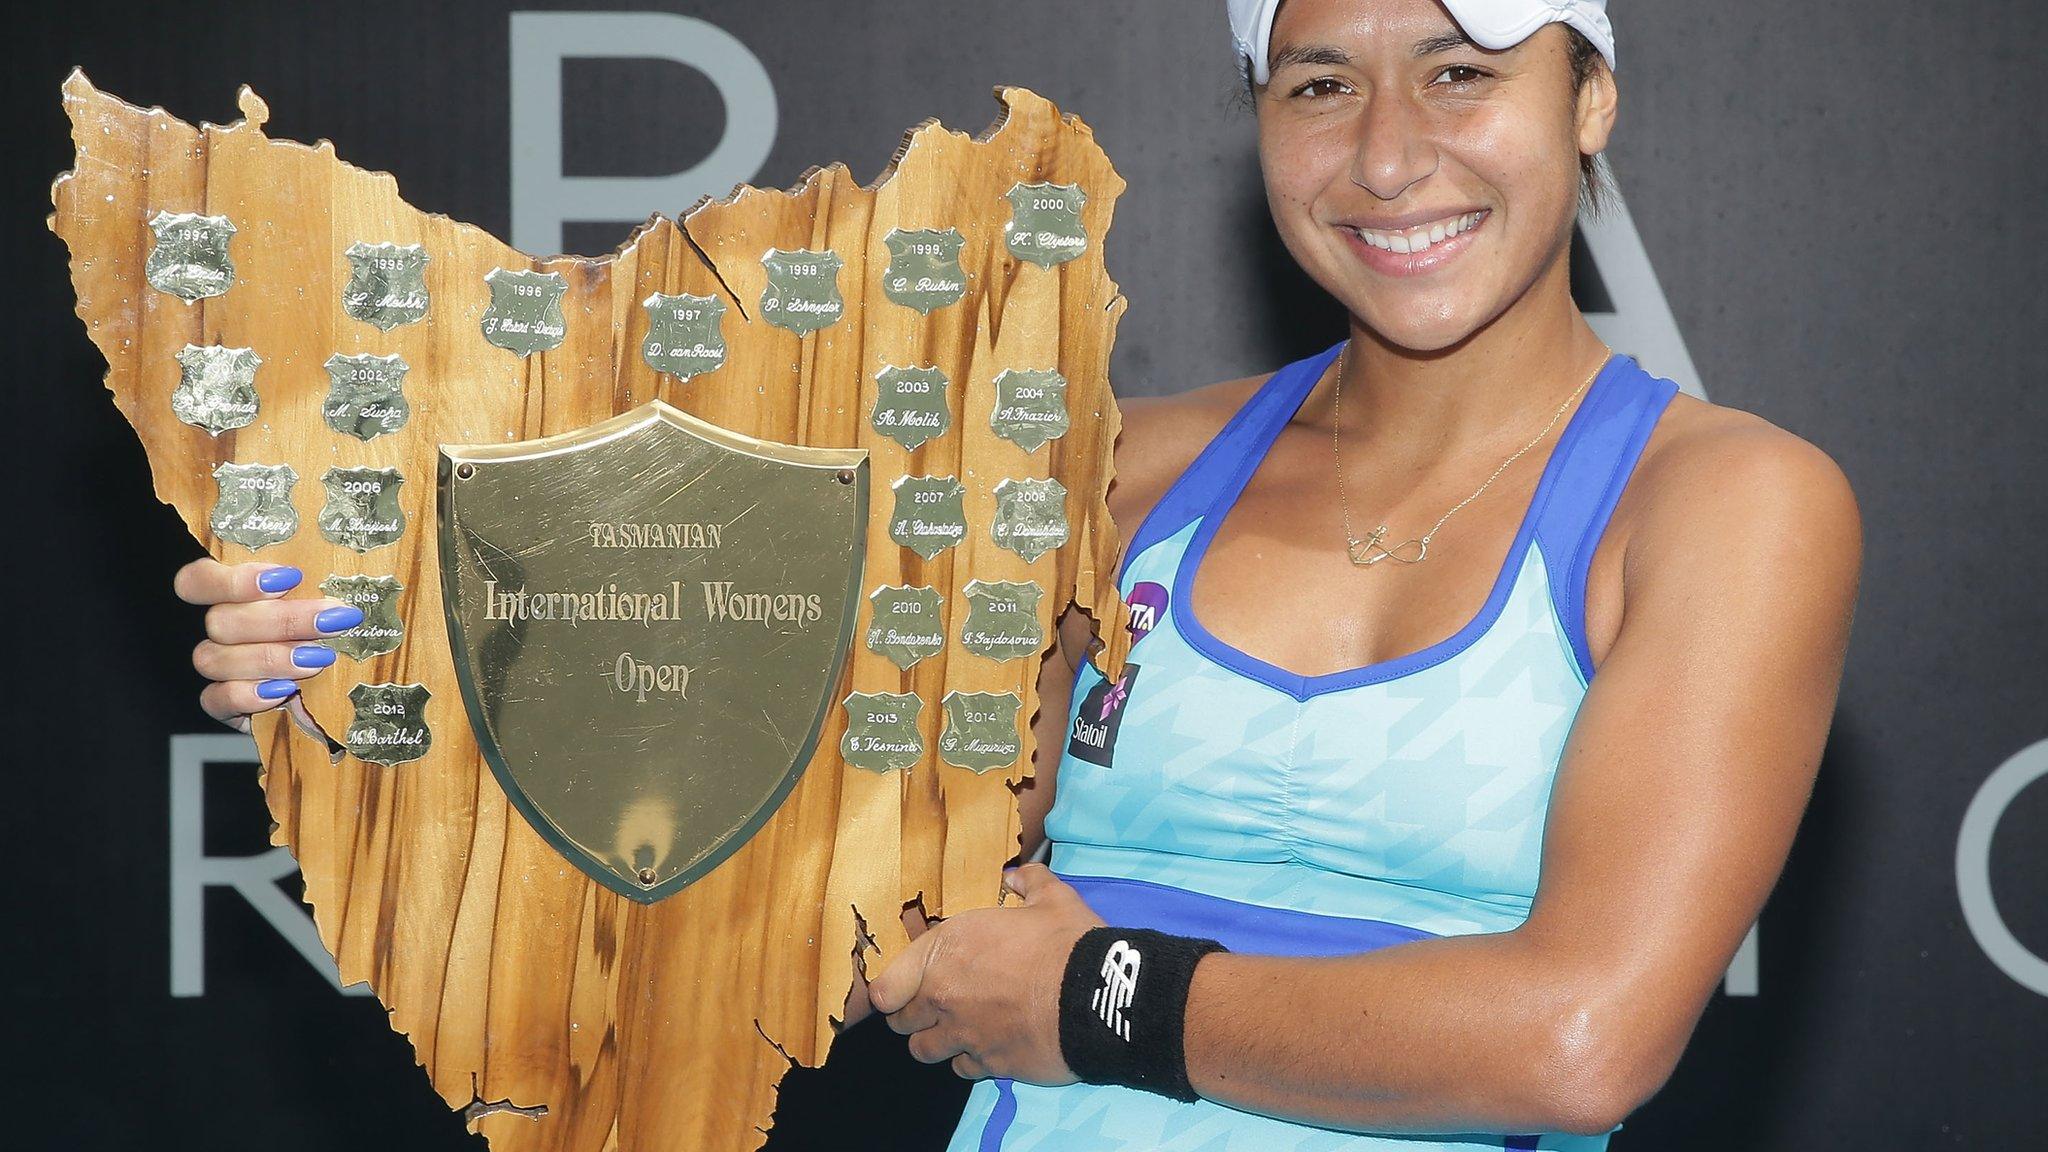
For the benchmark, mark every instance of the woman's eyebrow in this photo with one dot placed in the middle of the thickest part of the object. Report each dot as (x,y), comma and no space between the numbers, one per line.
(1308,54)
(1448,42)
(1329,54)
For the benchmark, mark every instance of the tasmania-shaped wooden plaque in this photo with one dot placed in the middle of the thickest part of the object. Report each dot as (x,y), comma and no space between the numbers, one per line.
(706,583)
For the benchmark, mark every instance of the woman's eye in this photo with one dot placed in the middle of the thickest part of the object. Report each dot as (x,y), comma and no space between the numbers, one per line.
(1320,86)
(1460,74)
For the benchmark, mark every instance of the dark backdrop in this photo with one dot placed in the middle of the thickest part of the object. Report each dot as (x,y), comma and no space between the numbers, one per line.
(1832,218)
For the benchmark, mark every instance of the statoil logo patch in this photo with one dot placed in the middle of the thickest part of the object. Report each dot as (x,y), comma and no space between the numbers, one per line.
(1100,717)
(1148,604)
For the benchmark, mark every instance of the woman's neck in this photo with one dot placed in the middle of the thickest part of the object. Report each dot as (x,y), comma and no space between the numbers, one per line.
(1495,385)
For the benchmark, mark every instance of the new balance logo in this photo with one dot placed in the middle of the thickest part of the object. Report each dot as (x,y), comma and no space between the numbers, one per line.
(1119,984)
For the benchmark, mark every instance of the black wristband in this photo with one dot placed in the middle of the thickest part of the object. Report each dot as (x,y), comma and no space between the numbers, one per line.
(1124,1005)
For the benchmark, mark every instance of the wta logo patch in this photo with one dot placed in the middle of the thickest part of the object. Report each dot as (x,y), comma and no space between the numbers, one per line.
(1148,604)
(1100,717)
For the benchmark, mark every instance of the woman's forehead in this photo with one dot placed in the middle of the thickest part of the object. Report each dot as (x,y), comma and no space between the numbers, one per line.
(1367,25)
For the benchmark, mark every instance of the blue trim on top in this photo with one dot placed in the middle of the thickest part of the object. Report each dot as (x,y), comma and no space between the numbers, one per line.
(1184,499)
(1301,379)
(1251,928)
(1000,1116)
(1570,597)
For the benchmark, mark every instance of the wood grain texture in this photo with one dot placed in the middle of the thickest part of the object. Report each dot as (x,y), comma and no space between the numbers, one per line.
(517,978)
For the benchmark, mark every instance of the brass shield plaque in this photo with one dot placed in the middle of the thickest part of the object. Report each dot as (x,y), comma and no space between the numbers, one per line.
(362,511)
(906,624)
(1045,223)
(525,315)
(255,506)
(930,514)
(387,284)
(683,337)
(981,730)
(910,405)
(649,619)
(382,628)
(390,727)
(881,731)
(190,259)
(803,290)
(924,268)
(1002,619)
(1031,516)
(366,395)
(1031,407)
(216,387)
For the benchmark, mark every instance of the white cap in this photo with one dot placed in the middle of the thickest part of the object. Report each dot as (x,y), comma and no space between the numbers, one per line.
(1490,23)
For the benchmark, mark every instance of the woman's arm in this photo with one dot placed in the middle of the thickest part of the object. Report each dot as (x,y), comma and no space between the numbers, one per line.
(1035,795)
(1689,764)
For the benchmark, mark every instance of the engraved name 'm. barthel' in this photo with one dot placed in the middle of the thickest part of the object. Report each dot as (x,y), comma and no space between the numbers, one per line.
(723,602)
(691,534)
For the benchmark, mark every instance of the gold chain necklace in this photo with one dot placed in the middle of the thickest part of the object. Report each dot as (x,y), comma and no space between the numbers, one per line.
(1369,551)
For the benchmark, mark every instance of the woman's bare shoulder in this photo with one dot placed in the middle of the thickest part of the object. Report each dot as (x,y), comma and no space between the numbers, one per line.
(1710,471)
(1162,435)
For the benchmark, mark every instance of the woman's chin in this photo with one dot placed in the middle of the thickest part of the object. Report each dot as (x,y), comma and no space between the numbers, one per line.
(1416,329)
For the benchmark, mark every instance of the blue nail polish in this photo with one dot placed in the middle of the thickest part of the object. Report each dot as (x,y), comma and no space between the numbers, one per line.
(276,689)
(282,578)
(312,656)
(338,619)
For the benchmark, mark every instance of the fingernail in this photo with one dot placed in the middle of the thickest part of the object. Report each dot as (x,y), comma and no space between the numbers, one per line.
(338,619)
(282,578)
(312,656)
(276,689)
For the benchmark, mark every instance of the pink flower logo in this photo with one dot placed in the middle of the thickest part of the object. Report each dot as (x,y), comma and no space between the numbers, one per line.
(1115,696)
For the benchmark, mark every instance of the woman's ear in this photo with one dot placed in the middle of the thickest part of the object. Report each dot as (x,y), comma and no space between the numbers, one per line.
(1596,109)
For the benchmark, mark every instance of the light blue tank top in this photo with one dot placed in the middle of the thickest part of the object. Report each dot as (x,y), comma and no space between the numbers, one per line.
(1209,793)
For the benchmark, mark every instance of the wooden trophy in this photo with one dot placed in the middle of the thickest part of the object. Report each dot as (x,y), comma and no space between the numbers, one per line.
(705,583)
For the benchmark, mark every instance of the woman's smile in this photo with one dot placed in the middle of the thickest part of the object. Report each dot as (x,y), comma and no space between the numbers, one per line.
(1404,248)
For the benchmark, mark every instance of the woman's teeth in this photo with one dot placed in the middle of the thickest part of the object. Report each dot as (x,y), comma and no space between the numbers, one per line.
(1422,237)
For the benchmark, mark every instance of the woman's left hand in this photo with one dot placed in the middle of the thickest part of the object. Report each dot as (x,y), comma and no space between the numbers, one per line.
(982,989)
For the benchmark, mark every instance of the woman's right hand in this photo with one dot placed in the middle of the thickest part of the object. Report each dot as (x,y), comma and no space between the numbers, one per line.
(258,644)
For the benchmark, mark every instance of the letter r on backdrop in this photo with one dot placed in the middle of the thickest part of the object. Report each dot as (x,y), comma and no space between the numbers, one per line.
(254,878)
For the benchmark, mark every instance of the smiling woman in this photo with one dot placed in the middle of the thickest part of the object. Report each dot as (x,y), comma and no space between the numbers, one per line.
(1440,785)
(1443,853)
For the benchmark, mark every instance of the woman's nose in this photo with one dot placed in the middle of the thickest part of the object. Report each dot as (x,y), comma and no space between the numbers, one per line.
(1395,150)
